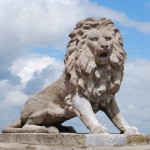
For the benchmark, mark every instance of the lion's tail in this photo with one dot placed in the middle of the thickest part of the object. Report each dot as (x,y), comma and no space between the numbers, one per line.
(16,127)
(13,128)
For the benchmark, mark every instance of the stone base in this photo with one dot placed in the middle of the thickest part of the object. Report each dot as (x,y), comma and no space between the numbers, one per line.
(71,139)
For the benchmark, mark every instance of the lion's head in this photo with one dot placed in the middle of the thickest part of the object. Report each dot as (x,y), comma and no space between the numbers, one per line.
(94,60)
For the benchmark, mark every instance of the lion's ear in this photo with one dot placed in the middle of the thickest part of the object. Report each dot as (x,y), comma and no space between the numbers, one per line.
(118,36)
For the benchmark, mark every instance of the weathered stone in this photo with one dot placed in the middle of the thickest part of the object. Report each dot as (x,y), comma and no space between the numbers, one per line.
(138,139)
(78,140)
(94,65)
(14,146)
(44,139)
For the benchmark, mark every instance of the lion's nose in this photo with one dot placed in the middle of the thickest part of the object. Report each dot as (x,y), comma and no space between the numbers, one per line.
(104,46)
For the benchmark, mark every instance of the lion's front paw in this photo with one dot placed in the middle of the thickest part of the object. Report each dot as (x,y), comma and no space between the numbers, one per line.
(131,130)
(100,130)
(52,130)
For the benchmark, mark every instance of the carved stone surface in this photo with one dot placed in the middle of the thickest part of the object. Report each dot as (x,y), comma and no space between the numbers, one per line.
(94,64)
(72,139)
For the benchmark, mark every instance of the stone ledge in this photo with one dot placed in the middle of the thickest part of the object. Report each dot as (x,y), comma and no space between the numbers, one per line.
(66,139)
(16,146)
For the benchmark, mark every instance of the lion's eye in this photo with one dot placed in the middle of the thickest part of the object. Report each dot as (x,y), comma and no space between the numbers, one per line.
(86,27)
(108,38)
(94,39)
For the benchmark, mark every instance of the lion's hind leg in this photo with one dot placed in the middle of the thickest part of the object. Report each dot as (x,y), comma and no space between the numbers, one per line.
(35,122)
(48,120)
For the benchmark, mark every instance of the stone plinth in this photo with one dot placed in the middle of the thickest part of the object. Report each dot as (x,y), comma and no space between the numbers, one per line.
(75,139)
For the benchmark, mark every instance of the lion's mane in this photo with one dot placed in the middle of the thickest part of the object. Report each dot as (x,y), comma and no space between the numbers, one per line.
(98,83)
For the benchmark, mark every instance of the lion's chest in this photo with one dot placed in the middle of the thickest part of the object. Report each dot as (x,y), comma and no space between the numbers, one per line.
(96,86)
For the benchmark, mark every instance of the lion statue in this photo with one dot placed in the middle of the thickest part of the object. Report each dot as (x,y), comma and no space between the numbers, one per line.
(94,65)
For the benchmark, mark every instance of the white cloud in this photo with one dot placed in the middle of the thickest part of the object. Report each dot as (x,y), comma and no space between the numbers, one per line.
(11,95)
(38,69)
(134,94)
(136,81)
(35,73)
(15,97)
(40,22)
(26,68)
(25,24)
(48,22)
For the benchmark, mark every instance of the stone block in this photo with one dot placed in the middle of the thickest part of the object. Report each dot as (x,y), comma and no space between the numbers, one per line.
(65,139)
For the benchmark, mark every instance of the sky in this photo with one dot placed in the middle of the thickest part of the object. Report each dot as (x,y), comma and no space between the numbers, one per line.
(33,40)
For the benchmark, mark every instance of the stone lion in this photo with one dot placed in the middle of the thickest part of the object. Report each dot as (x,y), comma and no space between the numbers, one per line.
(94,65)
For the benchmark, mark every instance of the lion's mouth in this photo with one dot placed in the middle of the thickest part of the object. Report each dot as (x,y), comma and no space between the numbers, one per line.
(103,55)
(102,58)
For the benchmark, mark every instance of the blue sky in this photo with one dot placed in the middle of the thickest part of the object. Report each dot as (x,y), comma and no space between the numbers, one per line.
(34,36)
(136,10)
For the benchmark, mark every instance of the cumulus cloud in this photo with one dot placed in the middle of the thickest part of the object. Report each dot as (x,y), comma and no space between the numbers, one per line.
(40,22)
(25,24)
(28,68)
(34,73)
(41,69)
(45,22)
(134,94)
(11,95)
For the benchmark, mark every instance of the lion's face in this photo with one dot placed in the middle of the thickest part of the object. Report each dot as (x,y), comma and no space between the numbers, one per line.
(100,43)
